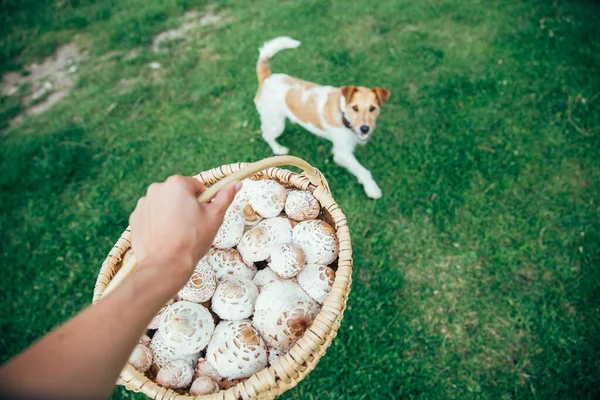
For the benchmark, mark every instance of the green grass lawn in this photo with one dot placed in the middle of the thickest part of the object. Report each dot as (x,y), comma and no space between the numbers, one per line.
(477,275)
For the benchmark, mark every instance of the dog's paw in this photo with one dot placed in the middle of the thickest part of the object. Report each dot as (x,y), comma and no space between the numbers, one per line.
(373,191)
(280,151)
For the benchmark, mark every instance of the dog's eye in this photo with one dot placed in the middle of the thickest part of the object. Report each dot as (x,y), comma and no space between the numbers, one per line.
(355,108)
(371,109)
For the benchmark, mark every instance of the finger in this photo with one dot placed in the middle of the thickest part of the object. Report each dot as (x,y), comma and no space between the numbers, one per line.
(195,186)
(140,203)
(152,188)
(222,200)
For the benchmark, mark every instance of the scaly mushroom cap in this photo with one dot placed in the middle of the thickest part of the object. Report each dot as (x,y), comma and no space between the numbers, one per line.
(287,260)
(230,232)
(316,280)
(236,350)
(242,205)
(145,340)
(282,226)
(258,243)
(163,354)
(141,358)
(229,262)
(175,375)
(301,205)
(186,326)
(203,385)
(266,197)
(234,298)
(156,319)
(283,311)
(203,368)
(318,240)
(265,276)
(201,285)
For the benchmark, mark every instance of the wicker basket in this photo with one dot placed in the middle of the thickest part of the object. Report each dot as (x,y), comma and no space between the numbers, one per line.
(290,369)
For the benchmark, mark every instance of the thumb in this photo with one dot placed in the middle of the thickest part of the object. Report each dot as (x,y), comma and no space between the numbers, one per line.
(223,199)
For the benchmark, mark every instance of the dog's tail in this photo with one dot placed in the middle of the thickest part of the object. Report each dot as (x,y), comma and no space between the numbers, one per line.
(268,50)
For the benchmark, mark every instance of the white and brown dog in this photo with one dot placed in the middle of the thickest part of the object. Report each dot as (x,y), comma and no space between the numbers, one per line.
(345,116)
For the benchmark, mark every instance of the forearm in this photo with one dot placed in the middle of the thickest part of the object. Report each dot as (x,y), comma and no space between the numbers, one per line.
(82,358)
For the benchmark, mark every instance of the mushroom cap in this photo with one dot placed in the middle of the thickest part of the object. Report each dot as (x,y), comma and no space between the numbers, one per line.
(237,350)
(229,262)
(265,276)
(301,205)
(242,205)
(145,340)
(176,374)
(186,326)
(316,280)
(234,298)
(287,260)
(266,197)
(156,319)
(318,240)
(203,368)
(283,311)
(282,226)
(163,354)
(258,242)
(141,358)
(231,230)
(202,284)
(203,385)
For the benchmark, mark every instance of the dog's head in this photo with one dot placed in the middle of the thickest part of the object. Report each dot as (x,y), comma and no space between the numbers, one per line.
(360,106)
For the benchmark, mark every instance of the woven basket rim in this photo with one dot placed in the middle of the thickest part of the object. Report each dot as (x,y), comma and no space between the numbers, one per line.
(291,368)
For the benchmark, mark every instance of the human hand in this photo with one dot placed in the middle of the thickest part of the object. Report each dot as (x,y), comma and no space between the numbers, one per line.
(171,231)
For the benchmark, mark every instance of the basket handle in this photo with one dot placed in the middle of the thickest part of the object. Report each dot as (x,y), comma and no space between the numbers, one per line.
(313,174)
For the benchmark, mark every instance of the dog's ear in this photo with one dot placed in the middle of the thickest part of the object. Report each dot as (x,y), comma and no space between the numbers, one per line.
(348,92)
(381,94)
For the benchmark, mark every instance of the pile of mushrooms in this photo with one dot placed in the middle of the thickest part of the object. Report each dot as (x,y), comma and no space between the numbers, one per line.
(249,299)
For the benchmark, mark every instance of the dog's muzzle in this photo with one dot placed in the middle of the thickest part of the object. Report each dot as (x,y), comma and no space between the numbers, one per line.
(362,137)
(364,132)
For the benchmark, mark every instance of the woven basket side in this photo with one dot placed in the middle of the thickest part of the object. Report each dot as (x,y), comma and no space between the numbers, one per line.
(290,369)
(111,265)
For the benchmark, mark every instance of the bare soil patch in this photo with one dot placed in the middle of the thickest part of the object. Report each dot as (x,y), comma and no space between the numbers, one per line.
(46,83)
(191,21)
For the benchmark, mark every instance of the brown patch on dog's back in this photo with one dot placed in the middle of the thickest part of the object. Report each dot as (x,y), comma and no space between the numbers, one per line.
(305,111)
(331,111)
(305,85)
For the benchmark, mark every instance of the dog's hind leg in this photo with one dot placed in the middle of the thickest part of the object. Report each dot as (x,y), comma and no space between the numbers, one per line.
(272,127)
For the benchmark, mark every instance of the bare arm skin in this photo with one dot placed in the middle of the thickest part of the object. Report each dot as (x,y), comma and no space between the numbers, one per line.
(81,359)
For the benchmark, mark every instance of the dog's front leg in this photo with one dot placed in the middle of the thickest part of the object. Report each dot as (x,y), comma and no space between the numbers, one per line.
(347,160)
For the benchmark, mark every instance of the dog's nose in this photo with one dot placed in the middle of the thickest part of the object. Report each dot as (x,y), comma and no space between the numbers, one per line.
(364,128)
